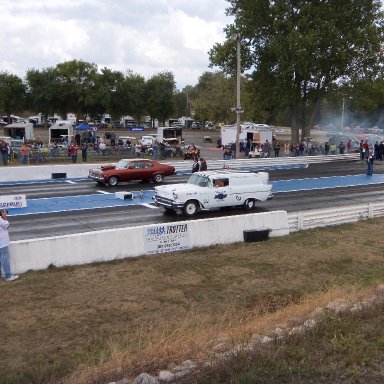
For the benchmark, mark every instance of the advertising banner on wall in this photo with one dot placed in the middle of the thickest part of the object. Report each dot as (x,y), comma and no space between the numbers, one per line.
(167,238)
(13,201)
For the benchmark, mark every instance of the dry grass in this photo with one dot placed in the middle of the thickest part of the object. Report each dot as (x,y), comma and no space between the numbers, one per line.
(105,321)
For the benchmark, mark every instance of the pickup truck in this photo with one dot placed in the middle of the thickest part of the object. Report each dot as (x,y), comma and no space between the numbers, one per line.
(215,189)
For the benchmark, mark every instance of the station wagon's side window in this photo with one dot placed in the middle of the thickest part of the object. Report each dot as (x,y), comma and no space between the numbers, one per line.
(217,183)
(137,165)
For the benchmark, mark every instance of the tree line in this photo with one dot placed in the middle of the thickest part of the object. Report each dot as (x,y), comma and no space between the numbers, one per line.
(301,62)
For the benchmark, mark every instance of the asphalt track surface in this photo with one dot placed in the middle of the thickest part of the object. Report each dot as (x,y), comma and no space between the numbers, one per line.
(76,206)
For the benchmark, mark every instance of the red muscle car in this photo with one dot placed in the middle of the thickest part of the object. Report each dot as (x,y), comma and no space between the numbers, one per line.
(131,169)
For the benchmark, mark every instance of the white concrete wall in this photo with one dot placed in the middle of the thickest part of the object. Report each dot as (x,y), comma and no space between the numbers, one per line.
(107,245)
(44,172)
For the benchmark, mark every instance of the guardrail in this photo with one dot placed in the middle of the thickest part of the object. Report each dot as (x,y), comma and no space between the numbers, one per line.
(315,218)
(268,162)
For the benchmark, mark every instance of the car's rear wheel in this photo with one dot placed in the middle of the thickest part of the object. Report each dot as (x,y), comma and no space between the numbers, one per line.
(158,178)
(249,204)
(190,208)
(113,181)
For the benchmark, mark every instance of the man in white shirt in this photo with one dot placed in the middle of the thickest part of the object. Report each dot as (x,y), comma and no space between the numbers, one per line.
(102,147)
(4,248)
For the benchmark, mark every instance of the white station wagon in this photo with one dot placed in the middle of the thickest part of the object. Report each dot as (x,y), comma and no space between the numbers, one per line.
(215,189)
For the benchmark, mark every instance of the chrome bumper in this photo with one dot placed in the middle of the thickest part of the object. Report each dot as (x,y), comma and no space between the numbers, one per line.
(167,203)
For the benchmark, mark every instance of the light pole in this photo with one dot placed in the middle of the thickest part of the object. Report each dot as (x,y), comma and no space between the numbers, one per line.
(238,109)
(342,115)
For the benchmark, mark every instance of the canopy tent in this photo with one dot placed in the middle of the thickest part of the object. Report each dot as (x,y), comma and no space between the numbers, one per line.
(85,127)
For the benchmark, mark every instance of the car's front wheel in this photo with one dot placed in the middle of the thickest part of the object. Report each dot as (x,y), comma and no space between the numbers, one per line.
(158,178)
(249,204)
(113,181)
(190,208)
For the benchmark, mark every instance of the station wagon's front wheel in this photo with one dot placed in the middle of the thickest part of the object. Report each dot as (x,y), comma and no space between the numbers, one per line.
(113,181)
(249,204)
(158,178)
(190,208)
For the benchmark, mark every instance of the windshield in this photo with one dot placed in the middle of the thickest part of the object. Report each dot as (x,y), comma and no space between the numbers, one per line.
(122,164)
(201,181)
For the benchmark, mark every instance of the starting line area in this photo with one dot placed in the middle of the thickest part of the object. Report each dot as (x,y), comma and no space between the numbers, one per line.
(144,198)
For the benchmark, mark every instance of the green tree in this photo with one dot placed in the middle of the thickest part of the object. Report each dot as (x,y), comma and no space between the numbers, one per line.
(159,93)
(131,96)
(42,89)
(77,86)
(12,94)
(103,97)
(215,96)
(299,50)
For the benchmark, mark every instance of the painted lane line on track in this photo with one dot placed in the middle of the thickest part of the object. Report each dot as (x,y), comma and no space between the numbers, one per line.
(79,202)
(149,206)
(104,192)
(45,181)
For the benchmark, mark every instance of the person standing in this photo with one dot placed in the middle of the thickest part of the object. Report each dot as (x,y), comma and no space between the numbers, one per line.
(276,148)
(326,148)
(349,146)
(4,248)
(155,149)
(84,151)
(73,151)
(55,149)
(195,165)
(203,165)
(24,153)
(370,165)
(102,148)
(4,153)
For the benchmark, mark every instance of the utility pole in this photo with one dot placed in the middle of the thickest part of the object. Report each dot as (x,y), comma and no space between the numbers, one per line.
(238,109)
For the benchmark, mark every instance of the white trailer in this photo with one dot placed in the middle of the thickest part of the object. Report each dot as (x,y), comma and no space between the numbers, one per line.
(254,132)
(59,130)
(170,134)
(20,131)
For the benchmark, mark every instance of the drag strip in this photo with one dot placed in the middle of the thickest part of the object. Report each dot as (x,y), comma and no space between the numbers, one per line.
(293,191)
(144,197)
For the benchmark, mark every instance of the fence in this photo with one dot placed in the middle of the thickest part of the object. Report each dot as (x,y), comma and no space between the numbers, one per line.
(315,218)
(269,162)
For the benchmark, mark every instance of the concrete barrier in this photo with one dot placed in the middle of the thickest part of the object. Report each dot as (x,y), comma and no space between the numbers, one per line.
(107,245)
(44,172)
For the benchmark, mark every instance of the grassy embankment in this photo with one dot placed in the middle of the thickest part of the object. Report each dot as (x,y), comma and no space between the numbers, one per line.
(104,322)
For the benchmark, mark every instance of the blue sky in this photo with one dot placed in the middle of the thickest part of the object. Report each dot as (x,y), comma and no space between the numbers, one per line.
(145,36)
